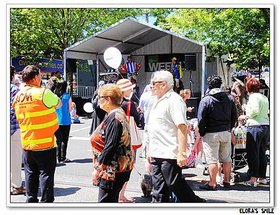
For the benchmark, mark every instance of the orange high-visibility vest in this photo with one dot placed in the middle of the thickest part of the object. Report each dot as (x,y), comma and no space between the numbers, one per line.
(37,122)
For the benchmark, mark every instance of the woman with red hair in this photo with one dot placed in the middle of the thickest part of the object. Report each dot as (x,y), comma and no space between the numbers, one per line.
(257,139)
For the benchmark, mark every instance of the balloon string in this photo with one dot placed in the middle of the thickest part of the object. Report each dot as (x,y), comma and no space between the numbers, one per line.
(119,73)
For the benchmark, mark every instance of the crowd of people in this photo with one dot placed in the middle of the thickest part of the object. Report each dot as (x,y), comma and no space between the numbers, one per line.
(41,119)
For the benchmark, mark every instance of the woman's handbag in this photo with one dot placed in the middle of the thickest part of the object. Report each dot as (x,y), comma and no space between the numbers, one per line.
(96,140)
(191,157)
(134,135)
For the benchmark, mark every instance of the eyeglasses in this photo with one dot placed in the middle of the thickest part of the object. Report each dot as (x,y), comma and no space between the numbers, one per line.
(101,97)
(156,82)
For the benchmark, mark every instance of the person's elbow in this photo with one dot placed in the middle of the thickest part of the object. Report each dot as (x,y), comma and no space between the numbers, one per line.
(59,104)
(183,127)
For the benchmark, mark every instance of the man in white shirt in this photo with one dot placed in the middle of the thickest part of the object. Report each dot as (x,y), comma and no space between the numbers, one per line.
(167,130)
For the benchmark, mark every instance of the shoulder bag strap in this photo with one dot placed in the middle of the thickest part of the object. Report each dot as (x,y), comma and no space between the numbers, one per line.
(128,109)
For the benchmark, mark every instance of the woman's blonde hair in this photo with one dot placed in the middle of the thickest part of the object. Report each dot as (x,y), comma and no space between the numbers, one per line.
(112,91)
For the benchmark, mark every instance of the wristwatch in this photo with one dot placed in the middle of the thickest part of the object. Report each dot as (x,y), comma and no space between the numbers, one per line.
(183,153)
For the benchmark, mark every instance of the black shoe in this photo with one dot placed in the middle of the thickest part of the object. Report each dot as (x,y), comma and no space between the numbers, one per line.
(206,186)
(226,185)
(205,171)
(201,200)
(236,177)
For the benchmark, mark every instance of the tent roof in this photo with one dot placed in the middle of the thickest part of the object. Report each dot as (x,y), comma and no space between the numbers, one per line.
(127,35)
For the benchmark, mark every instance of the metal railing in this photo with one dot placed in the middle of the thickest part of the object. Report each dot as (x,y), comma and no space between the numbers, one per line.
(84,91)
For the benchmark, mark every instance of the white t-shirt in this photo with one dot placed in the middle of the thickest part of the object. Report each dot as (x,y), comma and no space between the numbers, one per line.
(166,114)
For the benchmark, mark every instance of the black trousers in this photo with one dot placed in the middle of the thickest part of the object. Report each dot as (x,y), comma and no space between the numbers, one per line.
(109,191)
(256,145)
(62,137)
(167,178)
(39,168)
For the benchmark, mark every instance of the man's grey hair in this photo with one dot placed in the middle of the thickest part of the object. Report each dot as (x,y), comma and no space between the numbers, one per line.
(164,75)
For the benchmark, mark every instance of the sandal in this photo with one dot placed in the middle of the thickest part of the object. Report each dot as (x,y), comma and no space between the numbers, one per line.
(126,200)
(18,191)
(206,186)
(226,185)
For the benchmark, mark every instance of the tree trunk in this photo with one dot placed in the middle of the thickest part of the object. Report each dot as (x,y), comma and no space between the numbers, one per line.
(260,66)
(225,80)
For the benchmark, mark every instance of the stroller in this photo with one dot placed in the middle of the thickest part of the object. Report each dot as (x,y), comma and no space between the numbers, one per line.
(239,154)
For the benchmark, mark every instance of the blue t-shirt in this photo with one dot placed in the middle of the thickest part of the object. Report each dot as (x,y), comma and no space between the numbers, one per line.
(63,112)
(14,123)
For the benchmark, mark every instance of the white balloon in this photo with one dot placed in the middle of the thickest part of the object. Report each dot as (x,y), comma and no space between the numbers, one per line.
(113,57)
(88,107)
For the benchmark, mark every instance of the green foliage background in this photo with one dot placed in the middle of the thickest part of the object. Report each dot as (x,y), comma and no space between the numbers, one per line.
(242,33)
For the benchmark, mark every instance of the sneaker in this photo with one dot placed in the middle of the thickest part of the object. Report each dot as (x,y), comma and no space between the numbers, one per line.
(219,179)
(206,186)
(263,181)
(66,160)
(249,184)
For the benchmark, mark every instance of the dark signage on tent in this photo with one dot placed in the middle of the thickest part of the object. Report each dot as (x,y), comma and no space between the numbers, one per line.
(45,64)
(190,61)
(163,62)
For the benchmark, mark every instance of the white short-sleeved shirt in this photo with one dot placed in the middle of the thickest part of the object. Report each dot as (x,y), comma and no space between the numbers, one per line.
(165,115)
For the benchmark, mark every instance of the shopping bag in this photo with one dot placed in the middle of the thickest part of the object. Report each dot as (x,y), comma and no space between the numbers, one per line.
(239,137)
(134,134)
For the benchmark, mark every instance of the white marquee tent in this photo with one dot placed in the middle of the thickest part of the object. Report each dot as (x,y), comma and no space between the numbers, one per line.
(140,39)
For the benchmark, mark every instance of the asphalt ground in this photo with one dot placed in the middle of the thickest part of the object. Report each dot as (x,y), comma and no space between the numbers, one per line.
(73,186)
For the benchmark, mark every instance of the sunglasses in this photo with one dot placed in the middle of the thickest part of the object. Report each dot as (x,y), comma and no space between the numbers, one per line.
(156,82)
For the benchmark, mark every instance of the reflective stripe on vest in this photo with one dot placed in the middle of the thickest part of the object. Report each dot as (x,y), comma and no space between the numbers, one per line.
(38,141)
(36,114)
(39,126)
(37,122)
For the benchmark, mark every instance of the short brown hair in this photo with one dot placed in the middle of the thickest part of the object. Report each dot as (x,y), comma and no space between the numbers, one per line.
(29,73)
(112,91)
(187,91)
(253,85)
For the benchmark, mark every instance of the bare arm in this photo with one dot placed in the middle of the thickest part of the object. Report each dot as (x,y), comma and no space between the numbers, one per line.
(70,104)
(182,145)
(59,104)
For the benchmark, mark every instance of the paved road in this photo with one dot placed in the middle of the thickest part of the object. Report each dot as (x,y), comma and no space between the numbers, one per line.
(73,181)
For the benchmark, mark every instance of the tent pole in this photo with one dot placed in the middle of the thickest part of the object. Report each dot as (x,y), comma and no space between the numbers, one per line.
(97,70)
(203,58)
(64,65)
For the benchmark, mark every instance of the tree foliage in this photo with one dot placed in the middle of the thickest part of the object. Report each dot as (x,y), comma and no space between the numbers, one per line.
(242,33)
(46,32)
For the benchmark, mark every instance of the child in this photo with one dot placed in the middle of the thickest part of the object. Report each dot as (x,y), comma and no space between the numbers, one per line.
(74,116)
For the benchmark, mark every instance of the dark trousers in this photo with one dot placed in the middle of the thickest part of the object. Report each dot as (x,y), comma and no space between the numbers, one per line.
(167,178)
(39,168)
(256,145)
(62,136)
(109,191)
